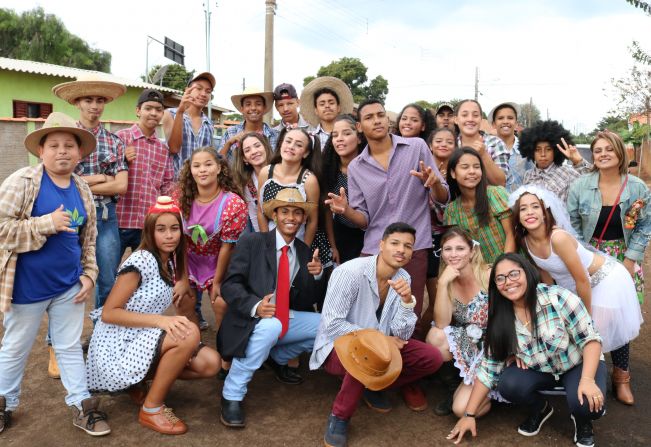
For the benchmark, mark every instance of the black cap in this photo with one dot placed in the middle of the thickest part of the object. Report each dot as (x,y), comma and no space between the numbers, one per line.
(284,91)
(150,95)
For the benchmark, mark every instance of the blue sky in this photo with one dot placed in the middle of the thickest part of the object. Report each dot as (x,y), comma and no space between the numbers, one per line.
(562,54)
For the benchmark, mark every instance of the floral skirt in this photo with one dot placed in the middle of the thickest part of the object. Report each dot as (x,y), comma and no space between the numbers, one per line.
(617,248)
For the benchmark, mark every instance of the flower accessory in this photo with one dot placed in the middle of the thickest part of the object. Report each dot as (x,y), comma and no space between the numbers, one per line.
(164,204)
(633,214)
(474,332)
(475,243)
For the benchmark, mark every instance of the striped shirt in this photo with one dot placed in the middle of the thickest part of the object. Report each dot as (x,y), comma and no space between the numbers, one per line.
(555,178)
(191,140)
(351,303)
(20,233)
(150,175)
(107,158)
(492,236)
(564,328)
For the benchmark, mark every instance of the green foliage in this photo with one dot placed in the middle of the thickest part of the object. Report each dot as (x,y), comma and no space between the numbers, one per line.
(637,134)
(637,52)
(614,123)
(176,76)
(353,72)
(34,35)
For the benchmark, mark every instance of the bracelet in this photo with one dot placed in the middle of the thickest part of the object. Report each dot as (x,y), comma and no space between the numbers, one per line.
(588,378)
(468,415)
(409,305)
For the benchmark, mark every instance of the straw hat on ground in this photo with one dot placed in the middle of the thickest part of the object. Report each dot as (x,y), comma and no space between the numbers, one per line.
(308,110)
(253,91)
(60,122)
(287,197)
(369,356)
(89,85)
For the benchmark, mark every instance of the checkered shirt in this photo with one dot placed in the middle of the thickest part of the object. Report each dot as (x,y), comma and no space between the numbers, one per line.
(191,140)
(555,178)
(151,174)
(107,158)
(496,149)
(564,328)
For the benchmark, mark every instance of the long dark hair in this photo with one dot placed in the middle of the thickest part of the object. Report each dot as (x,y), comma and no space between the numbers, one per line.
(425,116)
(520,231)
(330,159)
(312,161)
(501,339)
(148,242)
(482,208)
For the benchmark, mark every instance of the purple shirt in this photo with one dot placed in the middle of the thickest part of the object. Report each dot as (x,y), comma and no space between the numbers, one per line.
(394,195)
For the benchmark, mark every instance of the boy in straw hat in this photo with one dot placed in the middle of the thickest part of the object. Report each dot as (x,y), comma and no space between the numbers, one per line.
(186,127)
(104,170)
(323,99)
(47,248)
(253,103)
(270,288)
(372,293)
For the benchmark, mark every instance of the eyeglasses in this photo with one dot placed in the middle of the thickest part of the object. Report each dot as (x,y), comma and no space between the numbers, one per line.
(512,275)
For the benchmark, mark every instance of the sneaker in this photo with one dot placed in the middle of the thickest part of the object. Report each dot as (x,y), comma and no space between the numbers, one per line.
(583,434)
(163,421)
(533,424)
(90,419)
(414,397)
(376,400)
(5,415)
(336,432)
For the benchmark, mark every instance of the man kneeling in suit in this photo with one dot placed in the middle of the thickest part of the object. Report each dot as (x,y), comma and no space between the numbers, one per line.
(270,291)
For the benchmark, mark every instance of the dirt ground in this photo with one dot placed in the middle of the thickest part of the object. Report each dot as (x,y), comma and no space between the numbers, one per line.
(281,415)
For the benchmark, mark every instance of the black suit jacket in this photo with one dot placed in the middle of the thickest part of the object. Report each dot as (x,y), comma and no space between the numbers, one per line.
(251,275)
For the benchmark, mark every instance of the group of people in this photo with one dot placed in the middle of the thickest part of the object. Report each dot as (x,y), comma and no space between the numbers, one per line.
(321,236)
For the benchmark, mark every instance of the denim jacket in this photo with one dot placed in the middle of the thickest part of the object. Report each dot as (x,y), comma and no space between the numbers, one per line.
(584,206)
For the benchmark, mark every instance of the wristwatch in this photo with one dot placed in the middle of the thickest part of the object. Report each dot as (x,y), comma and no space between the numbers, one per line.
(468,415)
(409,305)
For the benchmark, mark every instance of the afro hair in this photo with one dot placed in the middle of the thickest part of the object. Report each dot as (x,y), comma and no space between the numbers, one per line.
(549,131)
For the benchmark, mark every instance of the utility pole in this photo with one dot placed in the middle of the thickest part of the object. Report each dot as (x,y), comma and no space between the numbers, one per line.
(476,83)
(207,14)
(270,11)
(530,110)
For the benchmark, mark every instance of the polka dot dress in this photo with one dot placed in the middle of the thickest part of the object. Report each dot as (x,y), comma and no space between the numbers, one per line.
(119,356)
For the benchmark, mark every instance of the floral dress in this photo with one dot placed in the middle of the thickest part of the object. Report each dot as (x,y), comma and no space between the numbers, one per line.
(120,356)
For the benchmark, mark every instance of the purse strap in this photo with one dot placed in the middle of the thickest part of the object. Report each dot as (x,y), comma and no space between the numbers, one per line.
(612,211)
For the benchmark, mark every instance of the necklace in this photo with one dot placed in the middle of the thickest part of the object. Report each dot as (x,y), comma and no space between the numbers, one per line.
(213,197)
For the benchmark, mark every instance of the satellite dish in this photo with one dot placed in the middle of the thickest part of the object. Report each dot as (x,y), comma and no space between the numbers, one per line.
(159,75)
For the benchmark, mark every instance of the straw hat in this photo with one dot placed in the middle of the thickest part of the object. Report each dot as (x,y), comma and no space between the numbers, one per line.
(89,85)
(287,197)
(308,110)
(60,122)
(512,105)
(253,91)
(369,356)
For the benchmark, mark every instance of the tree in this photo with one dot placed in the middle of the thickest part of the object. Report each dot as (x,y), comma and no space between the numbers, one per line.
(34,35)
(353,72)
(529,114)
(636,50)
(175,77)
(614,123)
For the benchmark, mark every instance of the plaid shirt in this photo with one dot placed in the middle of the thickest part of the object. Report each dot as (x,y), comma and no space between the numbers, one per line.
(555,178)
(107,158)
(491,237)
(496,149)
(20,233)
(267,131)
(150,175)
(302,124)
(191,140)
(564,328)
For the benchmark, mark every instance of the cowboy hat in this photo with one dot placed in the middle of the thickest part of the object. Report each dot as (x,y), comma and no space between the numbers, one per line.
(254,91)
(89,85)
(510,105)
(370,357)
(287,197)
(60,122)
(204,75)
(308,110)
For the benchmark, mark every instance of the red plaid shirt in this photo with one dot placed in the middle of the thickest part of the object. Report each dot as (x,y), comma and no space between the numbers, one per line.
(150,175)
(107,158)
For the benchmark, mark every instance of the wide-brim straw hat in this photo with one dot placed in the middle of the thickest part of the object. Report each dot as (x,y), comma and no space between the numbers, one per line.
(370,357)
(60,122)
(89,85)
(287,197)
(308,110)
(253,91)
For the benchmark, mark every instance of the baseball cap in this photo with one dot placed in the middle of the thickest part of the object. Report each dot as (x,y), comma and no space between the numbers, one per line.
(285,91)
(150,95)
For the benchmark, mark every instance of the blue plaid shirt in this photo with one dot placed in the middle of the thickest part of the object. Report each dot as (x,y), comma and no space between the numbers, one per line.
(191,140)
(518,165)
(267,131)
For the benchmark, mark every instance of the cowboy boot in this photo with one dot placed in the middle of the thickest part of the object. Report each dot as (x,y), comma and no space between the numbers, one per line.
(449,375)
(622,386)
(52,367)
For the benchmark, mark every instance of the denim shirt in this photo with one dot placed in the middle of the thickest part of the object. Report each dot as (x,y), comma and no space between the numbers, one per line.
(584,206)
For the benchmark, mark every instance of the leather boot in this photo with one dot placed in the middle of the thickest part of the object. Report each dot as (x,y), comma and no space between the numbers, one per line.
(449,375)
(622,386)
(52,367)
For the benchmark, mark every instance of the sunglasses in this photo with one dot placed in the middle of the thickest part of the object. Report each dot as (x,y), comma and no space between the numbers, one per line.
(513,275)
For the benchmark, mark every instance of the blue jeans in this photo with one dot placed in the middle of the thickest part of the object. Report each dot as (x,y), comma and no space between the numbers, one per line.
(129,238)
(107,252)
(21,323)
(264,342)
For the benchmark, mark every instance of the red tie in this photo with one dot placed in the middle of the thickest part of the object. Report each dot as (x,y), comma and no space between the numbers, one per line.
(282,291)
